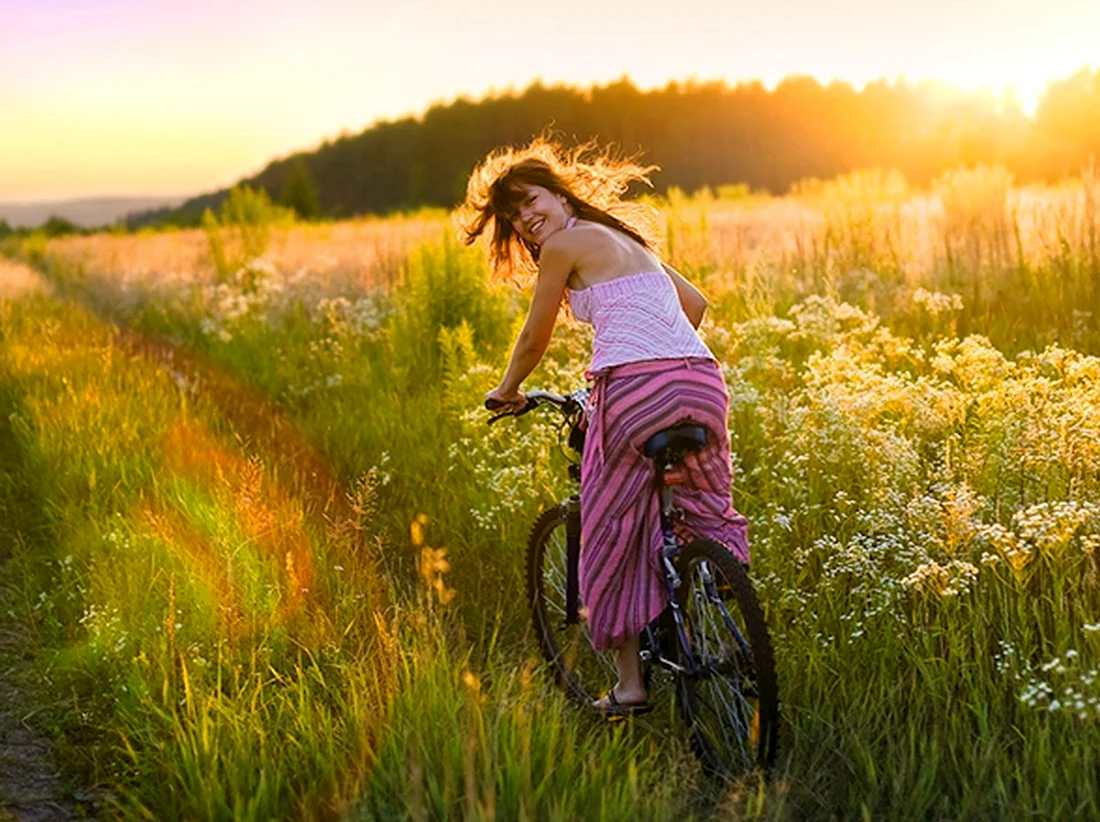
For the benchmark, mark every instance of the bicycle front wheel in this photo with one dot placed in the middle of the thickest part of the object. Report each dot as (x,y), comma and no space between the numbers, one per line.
(581,671)
(730,699)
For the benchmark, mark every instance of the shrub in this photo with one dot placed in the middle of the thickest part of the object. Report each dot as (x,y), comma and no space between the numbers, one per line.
(243,231)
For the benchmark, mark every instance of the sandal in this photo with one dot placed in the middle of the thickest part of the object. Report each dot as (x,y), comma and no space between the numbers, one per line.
(614,708)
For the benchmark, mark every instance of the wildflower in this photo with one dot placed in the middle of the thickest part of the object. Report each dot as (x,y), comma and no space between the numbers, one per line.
(470,680)
(433,562)
(433,565)
(416,529)
(946,580)
(1050,526)
(444,593)
(936,303)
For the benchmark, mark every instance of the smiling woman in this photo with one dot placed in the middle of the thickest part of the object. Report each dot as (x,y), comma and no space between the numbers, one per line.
(650,371)
(587,182)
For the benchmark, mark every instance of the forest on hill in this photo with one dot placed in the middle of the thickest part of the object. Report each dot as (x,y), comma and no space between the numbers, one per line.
(700,134)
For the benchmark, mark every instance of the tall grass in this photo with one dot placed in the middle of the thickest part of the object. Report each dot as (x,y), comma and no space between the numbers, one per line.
(921,500)
(188,618)
(477,734)
(1018,265)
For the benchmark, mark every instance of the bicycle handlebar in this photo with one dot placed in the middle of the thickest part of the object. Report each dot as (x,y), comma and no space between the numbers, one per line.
(566,404)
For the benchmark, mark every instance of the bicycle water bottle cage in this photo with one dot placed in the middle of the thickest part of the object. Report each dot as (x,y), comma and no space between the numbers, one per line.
(669,446)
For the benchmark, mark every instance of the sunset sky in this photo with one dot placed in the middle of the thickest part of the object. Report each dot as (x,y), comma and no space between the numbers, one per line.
(137,97)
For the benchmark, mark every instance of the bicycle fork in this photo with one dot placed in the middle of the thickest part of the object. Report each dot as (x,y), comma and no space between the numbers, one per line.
(572,559)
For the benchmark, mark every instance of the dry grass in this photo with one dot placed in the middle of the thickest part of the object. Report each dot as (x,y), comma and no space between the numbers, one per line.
(365,253)
(18,280)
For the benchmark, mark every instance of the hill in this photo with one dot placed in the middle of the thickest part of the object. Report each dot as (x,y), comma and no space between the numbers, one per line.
(699,133)
(86,213)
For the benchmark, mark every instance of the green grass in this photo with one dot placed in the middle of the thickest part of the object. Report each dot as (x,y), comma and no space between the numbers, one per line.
(922,516)
(503,744)
(177,644)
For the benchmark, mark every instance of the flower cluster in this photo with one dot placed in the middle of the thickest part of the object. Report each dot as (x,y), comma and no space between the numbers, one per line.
(432,563)
(1062,684)
(948,580)
(936,303)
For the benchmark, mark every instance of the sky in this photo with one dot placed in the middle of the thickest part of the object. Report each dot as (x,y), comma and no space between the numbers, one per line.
(147,97)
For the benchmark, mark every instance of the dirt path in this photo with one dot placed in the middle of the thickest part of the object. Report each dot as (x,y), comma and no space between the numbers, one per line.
(31,789)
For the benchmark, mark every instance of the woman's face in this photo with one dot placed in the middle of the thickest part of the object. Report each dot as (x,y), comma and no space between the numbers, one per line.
(539,213)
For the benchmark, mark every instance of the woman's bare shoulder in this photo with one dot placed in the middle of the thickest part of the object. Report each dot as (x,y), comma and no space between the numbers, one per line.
(575,240)
(585,236)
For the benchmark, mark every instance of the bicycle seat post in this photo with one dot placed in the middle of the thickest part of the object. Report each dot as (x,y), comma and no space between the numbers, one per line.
(666,471)
(667,449)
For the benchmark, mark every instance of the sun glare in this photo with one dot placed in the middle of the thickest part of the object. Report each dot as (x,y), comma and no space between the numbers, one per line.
(1023,89)
(1015,78)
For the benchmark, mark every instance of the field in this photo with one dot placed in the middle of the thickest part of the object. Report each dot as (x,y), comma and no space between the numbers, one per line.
(264,557)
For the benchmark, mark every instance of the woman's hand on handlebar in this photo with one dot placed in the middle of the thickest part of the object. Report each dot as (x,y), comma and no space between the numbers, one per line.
(500,400)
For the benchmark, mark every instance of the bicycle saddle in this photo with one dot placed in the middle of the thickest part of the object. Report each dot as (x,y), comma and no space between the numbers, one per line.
(672,443)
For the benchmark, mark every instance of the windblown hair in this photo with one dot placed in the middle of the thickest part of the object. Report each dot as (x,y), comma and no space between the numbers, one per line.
(591,180)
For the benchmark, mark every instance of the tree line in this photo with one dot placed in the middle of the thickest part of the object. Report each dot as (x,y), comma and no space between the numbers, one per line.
(700,134)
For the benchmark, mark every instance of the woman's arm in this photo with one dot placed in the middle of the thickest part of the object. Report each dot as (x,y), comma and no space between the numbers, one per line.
(555,265)
(691,298)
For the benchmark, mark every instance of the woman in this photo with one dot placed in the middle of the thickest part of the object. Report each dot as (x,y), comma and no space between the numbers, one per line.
(556,213)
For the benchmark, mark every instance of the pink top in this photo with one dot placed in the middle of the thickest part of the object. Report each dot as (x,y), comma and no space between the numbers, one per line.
(637,317)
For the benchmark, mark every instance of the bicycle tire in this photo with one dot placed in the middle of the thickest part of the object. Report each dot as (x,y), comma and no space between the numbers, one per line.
(731,705)
(582,672)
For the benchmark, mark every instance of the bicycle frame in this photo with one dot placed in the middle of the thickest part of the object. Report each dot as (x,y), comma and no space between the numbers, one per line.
(667,477)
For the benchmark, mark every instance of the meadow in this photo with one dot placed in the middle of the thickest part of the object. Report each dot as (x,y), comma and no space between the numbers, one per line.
(265,556)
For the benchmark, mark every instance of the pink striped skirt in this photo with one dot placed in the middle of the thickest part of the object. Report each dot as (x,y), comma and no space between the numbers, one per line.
(622,584)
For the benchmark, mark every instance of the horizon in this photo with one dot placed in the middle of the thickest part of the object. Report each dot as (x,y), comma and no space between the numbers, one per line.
(491,94)
(117,99)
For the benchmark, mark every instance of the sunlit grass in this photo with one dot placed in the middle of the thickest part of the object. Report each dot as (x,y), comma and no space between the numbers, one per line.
(921,499)
(173,587)
(478,734)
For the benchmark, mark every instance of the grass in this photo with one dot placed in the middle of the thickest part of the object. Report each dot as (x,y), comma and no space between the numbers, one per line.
(167,577)
(921,500)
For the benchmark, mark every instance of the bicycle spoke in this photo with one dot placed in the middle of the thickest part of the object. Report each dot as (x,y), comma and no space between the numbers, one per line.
(725,717)
(570,646)
(729,716)
(729,711)
(734,731)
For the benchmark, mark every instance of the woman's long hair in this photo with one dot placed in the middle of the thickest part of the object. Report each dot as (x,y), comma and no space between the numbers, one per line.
(592,181)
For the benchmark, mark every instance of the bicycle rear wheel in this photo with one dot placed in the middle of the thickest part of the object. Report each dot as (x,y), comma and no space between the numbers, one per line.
(731,701)
(583,672)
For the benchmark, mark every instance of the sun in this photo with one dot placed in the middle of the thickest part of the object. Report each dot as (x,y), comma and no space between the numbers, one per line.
(1022,92)
(1012,79)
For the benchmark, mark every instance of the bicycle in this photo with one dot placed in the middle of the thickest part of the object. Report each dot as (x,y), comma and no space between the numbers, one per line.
(711,639)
